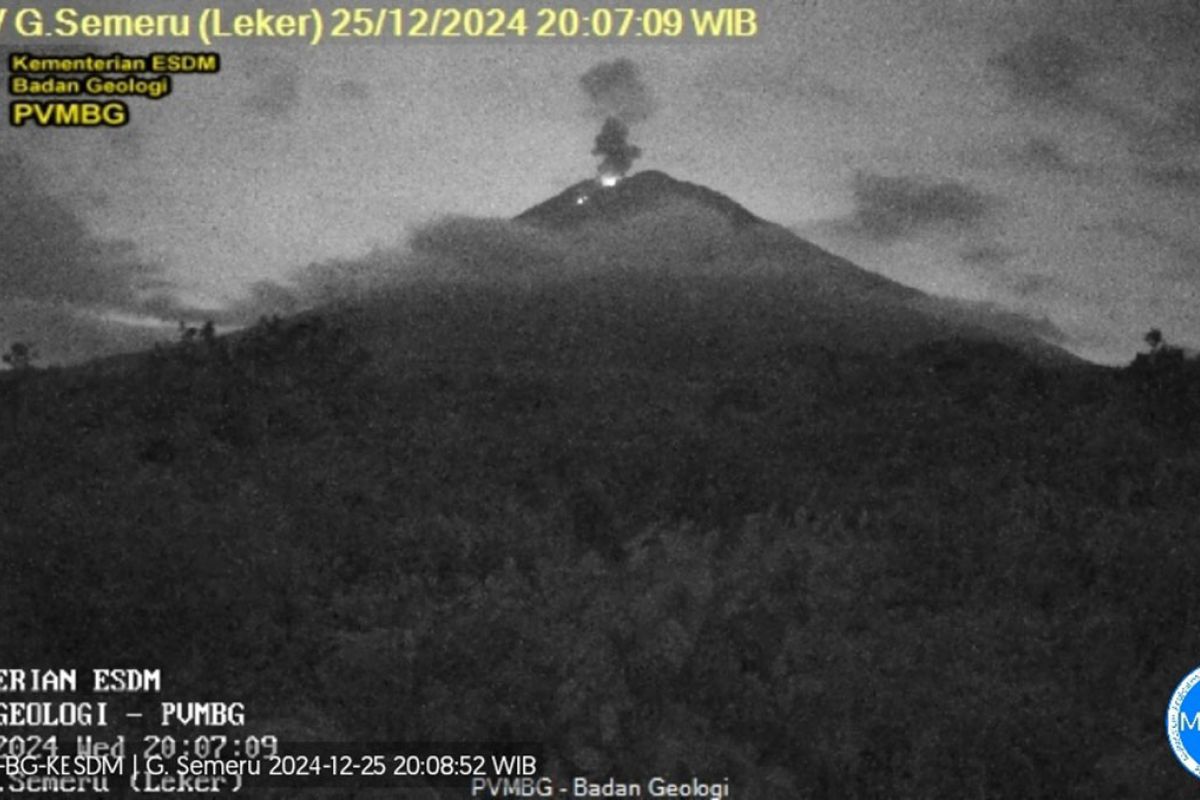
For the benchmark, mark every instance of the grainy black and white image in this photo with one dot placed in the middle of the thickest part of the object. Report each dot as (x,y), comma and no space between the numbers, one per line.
(759,400)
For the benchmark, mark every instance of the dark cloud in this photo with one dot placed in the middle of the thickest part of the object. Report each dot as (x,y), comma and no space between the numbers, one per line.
(50,255)
(62,286)
(988,254)
(1057,70)
(1129,65)
(728,82)
(1168,145)
(1170,27)
(612,145)
(1047,67)
(1046,155)
(615,89)
(1184,119)
(1183,178)
(1027,284)
(889,208)
(275,94)
(266,298)
(1186,249)
(993,262)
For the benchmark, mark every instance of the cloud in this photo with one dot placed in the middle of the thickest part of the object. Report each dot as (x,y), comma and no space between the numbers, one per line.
(889,208)
(50,255)
(988,254)
(621,98)
(266,298)
(616,89)
(62,286)
(612,144)
(1171,26)
(1185,249)
(64,334)
(1046,155)
(1047,67)
(675,237)
(1186,116)
(485,246)
(1173,177)
(998,265)
(1027,284)
(730,81)
(1129,65)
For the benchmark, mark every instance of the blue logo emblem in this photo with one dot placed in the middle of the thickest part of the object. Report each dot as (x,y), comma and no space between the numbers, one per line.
(1183,722)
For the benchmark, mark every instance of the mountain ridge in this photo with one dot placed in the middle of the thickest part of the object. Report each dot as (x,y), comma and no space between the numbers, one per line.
(590,199)
(756,247)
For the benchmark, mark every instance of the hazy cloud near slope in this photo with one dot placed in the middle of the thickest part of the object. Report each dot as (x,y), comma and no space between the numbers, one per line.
(678,236)
(988,254)
(64,335)
(51,255)
(892,208)
(1185,248)
(61,284)
(471,247)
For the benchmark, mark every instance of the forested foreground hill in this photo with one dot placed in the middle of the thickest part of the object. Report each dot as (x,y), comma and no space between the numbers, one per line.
(664,545)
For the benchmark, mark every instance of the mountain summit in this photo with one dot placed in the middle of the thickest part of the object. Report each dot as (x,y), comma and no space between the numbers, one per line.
(593,200)
(652,224)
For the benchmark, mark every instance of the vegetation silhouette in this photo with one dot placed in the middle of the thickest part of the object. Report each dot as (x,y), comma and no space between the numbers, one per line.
(20,356)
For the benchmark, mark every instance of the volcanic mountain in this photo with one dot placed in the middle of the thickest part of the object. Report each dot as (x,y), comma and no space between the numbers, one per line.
(591,200)
(648,481)
(653,224)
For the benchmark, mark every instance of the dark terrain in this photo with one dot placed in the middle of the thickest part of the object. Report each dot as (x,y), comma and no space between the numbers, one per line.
(795,525)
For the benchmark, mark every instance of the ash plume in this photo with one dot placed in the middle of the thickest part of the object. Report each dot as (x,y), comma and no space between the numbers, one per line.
(612,144)
(619,96)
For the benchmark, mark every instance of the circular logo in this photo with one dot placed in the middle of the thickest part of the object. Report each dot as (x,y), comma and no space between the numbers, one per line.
(1183,722)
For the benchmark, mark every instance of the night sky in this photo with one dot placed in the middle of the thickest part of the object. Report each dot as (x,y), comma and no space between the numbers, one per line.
(1042,156)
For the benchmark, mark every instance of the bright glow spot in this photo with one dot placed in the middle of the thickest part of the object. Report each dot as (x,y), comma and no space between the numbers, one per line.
(609,180)
(581,199)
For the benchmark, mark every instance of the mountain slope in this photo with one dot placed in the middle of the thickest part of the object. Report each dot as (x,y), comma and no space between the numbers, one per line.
(691,232)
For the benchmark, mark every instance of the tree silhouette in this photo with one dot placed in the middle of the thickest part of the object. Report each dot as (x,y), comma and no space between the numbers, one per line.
(1161,355)
(20,356)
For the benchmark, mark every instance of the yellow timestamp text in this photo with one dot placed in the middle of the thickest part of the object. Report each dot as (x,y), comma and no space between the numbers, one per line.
(315,25)
(545,23)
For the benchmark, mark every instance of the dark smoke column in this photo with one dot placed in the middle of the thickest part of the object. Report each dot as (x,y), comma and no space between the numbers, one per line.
(612,143)
(619,96)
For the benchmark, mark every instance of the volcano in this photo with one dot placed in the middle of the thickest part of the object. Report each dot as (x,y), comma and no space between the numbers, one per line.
(591,200)
(647,480)
(652,224)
